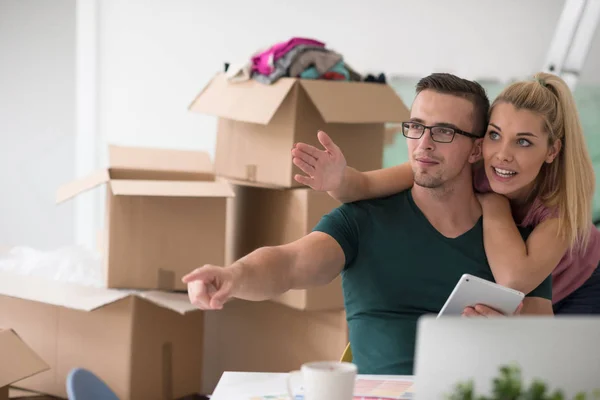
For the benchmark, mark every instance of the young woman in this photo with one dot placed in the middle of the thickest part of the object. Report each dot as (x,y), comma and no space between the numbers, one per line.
(536,171)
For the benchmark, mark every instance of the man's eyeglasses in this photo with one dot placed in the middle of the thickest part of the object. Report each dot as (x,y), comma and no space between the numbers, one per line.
(440,134)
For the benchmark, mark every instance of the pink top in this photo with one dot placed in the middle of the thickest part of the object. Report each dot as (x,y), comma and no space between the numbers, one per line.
(575,267)
(264,62)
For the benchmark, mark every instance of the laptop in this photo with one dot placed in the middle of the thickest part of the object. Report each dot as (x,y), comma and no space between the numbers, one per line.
(564,352)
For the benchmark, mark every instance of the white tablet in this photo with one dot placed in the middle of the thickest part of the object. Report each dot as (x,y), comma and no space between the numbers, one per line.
(471,290)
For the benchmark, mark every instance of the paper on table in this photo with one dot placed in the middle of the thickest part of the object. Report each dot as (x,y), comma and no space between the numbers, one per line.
(272,386)
(249,385)
(365,389)
(383,388)
(301,397)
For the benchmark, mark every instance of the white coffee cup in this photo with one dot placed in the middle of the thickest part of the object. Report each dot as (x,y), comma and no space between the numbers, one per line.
(325,380)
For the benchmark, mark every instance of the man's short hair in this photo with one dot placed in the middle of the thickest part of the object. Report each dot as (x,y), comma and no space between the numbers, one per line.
(470,90)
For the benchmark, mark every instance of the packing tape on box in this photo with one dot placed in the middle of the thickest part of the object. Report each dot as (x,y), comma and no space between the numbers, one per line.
(166,279)
(167,371)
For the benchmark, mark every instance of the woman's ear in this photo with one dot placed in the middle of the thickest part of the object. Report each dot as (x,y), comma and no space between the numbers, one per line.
(476,152)
(553,151)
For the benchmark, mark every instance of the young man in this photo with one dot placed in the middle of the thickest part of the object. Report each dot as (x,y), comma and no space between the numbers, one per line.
(399,256)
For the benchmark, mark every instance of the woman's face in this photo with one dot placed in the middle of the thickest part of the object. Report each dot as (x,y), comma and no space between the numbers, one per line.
(514,149)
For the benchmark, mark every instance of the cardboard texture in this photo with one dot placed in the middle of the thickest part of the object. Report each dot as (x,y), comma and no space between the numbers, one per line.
(258,124)
(260,217)
(14,393)
(144,345)
(269,337)
(17,360)
(165,216)
(390,134)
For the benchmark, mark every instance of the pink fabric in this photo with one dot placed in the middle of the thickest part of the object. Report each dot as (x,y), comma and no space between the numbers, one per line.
(480,181)
(576,266)
(264,62)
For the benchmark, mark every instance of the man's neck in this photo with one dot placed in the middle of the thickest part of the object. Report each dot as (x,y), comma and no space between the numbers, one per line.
(452,210)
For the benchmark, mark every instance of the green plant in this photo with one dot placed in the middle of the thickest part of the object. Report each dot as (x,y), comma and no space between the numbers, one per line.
(508,385)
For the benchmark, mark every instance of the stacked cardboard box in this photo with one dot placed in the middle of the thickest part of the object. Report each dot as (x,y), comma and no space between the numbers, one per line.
(270,337)
(143,344)
(168,212)
(258,124)
(257,127)
(165,214)
(270,217)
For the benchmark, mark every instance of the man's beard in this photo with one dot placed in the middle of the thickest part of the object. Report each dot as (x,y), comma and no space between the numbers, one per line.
(428,181)
(438,186)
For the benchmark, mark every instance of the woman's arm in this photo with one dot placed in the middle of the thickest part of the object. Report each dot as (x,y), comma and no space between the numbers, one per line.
(536,306)
(326,170)
(358,185)
(518,264)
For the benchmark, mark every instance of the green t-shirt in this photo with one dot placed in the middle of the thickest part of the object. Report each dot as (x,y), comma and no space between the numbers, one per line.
(399,267)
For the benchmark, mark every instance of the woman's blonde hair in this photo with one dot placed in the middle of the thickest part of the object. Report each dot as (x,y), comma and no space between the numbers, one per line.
(566,184)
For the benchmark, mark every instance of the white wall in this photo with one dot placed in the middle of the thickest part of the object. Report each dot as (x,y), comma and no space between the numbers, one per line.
(36,120)
(156,55)
(590,73)
(149,59)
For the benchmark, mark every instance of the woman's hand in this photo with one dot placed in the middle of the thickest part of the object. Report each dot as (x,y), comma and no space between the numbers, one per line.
(324,169)
(479,310)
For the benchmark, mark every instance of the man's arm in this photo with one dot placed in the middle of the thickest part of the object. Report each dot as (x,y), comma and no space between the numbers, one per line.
(268,272)
(314,260)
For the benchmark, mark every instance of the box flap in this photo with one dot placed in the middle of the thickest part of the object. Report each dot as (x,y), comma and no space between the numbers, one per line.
(72,189)
(154,159)
(83,298)
(78,297)
(178,302)
(241,182)
(355,102)
(171,188)
(14,393)
(249,101)
(17,360)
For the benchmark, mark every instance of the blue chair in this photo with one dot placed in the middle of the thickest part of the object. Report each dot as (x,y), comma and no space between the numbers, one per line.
(84,385)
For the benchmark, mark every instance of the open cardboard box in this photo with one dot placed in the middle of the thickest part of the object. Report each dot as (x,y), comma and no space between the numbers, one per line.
(17,361)
(143,344)
(259,124)
(165,215)
(259,216)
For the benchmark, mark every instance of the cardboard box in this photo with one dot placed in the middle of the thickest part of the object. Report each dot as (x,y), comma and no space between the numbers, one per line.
(21,394)
(260,217)
(259,124)
(144,345)
(17,361)
(165,216)
(269,337)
